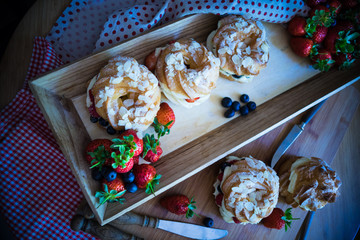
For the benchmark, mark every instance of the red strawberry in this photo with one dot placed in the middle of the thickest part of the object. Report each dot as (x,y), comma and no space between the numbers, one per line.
(112,191)
(165,119)
(323,60)
(191,100)
(152,150)
(98,152)
(320,34)
(136,160)
(338,40)
(179,204)
(218,199)
(146,177)
(150,61)
(297,26)
(237,221)
(278,219)
(92,109)
(313,3)
(343,61)
(133,141)
(330,39)
(301,46)
(126,167)
(335,6)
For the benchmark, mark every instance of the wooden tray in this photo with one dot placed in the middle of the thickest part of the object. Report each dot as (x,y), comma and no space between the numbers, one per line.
(287,87)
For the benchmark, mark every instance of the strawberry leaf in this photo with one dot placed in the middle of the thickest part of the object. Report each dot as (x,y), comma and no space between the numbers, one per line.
(150,187)
(112,196)
(344,44)
(161,129)
(150,143)
(288,218)
(99,155)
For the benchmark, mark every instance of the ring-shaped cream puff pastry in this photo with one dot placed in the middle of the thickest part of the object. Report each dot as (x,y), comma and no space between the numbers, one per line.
(241,46)
(187,72)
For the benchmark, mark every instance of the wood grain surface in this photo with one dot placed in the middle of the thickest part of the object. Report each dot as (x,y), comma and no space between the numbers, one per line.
(55,93)
(321,138)
(39,21)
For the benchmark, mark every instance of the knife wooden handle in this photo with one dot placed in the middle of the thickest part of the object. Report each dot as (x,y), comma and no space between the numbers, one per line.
(107,232)
(133,218)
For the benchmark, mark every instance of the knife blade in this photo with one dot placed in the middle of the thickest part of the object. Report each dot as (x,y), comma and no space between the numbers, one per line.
(294,133)
(191,230)
(183,229)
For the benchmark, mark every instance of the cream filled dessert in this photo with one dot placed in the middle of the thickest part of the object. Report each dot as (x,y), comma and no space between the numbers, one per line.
(187,72)
(308,183)
(125,93)
(241,46)
(246,190)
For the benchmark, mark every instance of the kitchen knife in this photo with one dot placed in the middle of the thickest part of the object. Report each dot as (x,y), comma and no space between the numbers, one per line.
(294,134)
(183,229)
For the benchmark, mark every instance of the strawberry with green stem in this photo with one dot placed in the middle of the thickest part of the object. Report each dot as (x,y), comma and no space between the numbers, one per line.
(112,192)
(343,61)
(278,219)
(146,177)
(323,60)
(345,42)
(98,152)
(152,150)
(164,120)
(128,139)
(123,160)
(179,204)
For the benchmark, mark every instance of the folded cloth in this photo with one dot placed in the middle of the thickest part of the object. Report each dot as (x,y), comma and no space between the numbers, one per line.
(38,192)
(88,26)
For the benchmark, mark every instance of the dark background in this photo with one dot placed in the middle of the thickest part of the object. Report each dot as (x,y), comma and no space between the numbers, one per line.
(11,13)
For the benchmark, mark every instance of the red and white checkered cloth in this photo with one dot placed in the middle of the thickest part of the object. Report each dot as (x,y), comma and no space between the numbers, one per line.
(38,192)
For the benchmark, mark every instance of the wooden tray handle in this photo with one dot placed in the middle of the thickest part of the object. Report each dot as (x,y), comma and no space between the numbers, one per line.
(107,232)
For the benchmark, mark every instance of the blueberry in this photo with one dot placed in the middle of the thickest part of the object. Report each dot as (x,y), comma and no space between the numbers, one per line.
(229,113)
(105,169)
(244,98)
(236,76)
(110,174)
(235,106)
(226,102)
(110,130)
(208,222)
(334,23)
(131,187)
(224,165)
(244,110)
(93,119)
(128,177)
(103,122)
(251,105)
(96,174)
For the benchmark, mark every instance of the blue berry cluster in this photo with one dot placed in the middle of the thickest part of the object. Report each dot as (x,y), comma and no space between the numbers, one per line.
(109,129)
(235,106)
(106,172)
(109,174)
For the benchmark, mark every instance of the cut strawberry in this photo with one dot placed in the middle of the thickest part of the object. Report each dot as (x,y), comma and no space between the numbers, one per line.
(192,100)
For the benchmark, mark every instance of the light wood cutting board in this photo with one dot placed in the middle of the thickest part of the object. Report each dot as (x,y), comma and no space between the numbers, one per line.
(321,138)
